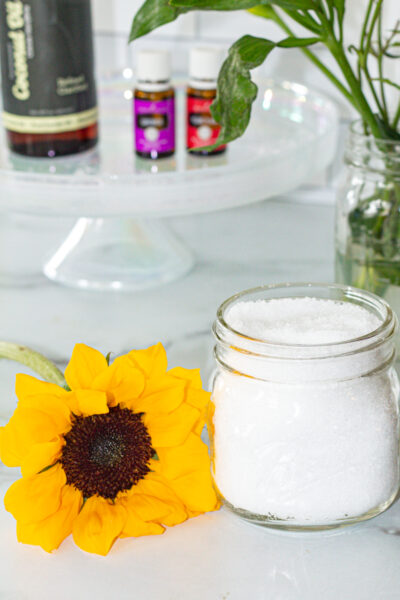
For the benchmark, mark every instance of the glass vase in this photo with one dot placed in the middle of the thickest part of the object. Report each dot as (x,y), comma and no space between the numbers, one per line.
(368,216)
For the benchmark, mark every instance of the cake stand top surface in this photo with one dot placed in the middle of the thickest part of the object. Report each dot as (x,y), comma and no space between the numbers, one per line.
(291,137)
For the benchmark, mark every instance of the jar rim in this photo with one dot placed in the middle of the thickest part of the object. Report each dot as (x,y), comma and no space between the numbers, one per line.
(357,130)
(382,333)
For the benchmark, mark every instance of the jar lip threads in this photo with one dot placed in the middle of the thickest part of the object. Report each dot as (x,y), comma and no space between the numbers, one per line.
(386,327)
(338,352)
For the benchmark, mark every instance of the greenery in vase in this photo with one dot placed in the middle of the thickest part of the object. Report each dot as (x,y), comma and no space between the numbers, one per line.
(323,22)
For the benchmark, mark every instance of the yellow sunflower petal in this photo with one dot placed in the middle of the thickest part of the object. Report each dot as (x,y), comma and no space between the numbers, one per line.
(122,380)
(85,364)
(90,402)
(55,408)
(171,429)
(152,361)
(41,456)
(135,527)
(187,469)
(195,395)
(161,395)
(191,376)
(98,525)
(26,428)
(27,386)
(13,443)
(198,398)
(153,500)
(46,397)
(50,532)
(35,498)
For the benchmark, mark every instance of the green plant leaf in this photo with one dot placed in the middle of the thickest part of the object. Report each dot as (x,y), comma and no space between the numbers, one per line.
(153,14)
(266,12)
(243,4)
(216,4)
(294,4)
(235,91)
(293,42)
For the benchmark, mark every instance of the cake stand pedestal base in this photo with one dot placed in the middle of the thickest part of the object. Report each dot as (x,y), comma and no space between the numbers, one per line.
(118,254)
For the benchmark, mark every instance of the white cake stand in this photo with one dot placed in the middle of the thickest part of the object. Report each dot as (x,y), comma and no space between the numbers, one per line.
(119,240)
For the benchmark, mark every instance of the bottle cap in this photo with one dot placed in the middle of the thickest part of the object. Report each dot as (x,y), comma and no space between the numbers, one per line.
(205,62)
(153,65)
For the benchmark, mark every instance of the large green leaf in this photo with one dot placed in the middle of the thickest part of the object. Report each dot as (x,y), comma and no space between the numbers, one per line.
(243,4)
(153,14)
(236,92)
(294,4)
(216,4)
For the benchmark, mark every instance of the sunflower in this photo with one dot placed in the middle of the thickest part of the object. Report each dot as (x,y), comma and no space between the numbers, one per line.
(117,454)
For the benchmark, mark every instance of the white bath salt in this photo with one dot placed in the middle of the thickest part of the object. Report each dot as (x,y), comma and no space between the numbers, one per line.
(301,320)
(313,452)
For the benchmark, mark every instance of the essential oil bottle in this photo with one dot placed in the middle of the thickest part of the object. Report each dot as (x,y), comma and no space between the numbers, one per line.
(49,94)
(202,130)
(154,105)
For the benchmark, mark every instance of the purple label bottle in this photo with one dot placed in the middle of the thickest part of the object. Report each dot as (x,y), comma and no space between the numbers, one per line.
(154,106)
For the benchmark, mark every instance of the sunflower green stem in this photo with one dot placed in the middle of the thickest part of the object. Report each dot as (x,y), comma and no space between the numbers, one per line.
(34,360)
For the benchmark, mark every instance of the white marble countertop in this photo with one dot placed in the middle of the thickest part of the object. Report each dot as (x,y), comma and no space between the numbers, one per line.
(214,556)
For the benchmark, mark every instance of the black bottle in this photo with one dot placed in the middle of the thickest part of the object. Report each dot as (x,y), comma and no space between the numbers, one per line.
(49,94)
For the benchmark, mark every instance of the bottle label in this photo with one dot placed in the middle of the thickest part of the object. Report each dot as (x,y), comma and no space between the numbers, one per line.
(47,65)
(202,130)
(154,125)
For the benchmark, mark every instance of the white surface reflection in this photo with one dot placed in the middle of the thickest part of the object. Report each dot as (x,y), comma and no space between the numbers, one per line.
(217,556)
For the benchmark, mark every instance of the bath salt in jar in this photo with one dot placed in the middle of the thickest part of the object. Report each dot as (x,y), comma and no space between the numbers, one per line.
(304,413)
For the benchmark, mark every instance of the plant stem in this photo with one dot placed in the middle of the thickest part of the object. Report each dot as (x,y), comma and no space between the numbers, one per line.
(380,67)
(359,99)
(396,118)
(362,37)
(34,360)
(279,21)
(366,53)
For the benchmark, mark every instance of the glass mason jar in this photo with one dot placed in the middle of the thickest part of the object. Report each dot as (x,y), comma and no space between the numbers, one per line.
(368,216)
(306,436)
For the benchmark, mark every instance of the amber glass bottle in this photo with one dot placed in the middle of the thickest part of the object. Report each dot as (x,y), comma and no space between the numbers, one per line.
(49,95)
(202,130)
(154,106)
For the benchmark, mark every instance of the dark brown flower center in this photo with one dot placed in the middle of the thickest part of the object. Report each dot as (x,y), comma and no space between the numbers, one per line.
(106,454)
